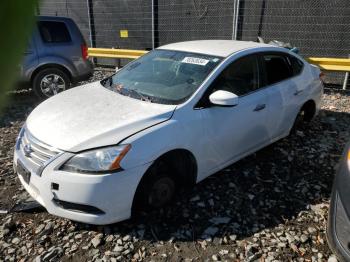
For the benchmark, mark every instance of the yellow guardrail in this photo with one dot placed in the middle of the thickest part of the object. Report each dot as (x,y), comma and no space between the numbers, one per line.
(115,53)
(331,64)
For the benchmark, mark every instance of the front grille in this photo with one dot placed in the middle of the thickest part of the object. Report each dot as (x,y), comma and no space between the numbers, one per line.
(35,151)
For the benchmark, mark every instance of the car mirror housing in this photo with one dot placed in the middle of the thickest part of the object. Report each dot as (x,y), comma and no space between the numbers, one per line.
(223,98)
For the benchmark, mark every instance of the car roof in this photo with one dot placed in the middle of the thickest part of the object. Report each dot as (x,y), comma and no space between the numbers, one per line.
(221,48)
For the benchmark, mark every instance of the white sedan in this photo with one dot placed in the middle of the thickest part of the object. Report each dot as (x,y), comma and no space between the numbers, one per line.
(164,122)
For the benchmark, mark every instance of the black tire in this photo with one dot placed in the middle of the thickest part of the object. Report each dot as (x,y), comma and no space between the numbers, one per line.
(157,188)
(304,116)
(299,121)
(62,83)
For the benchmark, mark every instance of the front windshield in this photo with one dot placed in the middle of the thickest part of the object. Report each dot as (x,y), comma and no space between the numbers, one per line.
(163,76)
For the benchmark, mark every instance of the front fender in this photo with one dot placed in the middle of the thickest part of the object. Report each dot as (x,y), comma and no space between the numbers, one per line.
(150,144)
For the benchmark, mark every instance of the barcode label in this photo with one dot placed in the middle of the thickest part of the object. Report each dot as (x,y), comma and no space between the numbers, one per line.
(195,61)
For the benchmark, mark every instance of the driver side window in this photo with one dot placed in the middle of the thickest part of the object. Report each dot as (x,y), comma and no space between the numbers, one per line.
(241,77)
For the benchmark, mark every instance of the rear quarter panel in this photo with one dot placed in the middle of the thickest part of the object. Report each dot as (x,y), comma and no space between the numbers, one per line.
(30,59)
(314,85)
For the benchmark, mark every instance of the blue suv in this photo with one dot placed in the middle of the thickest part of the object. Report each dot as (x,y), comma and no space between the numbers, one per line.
(56,57)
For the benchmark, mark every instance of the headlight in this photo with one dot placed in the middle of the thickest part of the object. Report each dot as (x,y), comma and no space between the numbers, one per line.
(101,160)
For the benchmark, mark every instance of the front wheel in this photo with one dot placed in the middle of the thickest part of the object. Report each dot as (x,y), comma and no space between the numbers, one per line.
(157,188)
(161,192)
(49,82)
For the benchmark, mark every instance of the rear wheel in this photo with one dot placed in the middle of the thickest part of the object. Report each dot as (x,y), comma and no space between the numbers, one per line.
(299,121)
(49,82)
(304,116)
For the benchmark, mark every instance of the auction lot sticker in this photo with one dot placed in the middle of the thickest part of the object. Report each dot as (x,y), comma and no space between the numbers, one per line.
(195,61)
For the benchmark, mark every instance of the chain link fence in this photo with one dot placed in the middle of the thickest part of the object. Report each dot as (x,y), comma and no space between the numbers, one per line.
(317,27)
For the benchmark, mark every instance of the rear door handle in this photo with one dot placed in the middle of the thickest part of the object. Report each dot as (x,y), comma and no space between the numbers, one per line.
(259,107)
(298,92)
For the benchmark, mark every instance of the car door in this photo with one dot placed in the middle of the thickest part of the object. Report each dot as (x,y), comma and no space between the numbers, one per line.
(284,91)
(232,132)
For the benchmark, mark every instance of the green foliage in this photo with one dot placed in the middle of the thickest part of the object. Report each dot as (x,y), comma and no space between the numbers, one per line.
(16,21)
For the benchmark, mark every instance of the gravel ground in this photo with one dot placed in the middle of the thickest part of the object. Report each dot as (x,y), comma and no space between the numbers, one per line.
(270,206)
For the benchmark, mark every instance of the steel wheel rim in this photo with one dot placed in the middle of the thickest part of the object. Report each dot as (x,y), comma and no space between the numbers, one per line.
(162,192)
(52,84)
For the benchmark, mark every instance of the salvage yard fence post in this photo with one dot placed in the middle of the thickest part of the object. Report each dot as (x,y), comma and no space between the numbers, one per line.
(346,79)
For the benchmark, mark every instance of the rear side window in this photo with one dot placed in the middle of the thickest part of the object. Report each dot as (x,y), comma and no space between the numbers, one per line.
(277,68)
(296,64)
(54,32)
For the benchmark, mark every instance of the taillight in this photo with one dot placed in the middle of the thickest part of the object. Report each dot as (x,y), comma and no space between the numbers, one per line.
(84,51)
(322,76)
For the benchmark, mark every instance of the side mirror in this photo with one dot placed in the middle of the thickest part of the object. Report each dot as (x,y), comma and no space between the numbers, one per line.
(223,98)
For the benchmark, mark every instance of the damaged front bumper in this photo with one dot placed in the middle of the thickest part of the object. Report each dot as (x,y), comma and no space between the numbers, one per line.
(93,199)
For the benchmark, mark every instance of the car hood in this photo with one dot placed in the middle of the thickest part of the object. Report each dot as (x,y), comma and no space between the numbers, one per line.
(92,116)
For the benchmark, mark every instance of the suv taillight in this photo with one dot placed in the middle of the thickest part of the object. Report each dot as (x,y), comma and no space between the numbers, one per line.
(84,51)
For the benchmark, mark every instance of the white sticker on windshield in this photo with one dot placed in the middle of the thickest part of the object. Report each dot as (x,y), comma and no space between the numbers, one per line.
(195,60)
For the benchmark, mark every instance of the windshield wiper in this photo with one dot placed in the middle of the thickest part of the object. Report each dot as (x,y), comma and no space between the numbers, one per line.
(140,95)
(119,88)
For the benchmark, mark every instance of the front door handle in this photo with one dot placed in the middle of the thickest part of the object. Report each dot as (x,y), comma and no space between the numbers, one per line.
(259,107)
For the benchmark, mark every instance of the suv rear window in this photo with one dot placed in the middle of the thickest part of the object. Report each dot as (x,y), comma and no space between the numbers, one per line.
(54,32)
